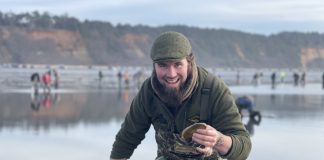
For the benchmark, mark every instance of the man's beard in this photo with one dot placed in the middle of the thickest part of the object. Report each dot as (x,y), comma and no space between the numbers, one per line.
(174,95)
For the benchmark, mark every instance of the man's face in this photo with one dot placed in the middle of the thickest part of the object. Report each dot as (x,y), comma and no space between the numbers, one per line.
(171,74)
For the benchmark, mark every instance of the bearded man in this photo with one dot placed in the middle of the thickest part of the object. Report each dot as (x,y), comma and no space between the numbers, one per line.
(177,95)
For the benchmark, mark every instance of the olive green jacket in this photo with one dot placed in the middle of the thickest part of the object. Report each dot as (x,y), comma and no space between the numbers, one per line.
(147,109)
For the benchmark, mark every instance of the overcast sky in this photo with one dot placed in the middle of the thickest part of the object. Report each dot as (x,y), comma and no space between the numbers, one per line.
(254,16)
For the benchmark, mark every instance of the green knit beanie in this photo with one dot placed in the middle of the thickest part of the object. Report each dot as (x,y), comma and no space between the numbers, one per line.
(170,46)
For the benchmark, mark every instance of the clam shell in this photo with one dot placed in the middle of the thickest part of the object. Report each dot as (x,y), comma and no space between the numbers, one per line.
(190,130)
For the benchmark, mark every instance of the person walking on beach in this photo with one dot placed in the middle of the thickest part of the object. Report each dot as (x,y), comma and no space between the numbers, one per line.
(120,77)
(177,96)
(296,79)
(100,76)
(303,79)
(273,80)
(35,79)
(282,77)
(256,79)
(126,80)
(47,80)
(56,79)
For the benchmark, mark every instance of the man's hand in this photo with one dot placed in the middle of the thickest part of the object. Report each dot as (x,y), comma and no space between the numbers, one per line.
(212,140)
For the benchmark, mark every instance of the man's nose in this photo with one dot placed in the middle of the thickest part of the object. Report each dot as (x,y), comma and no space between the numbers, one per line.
(172,72)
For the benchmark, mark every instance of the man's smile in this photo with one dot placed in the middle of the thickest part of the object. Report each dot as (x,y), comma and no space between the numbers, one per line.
(172,80)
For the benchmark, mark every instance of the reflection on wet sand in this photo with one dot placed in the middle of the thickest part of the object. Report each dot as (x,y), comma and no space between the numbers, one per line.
(63,110)
(67,109)
(290,106)
(46,100)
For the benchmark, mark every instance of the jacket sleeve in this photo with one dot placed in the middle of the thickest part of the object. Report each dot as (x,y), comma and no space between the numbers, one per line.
(132,131)
(227,120)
